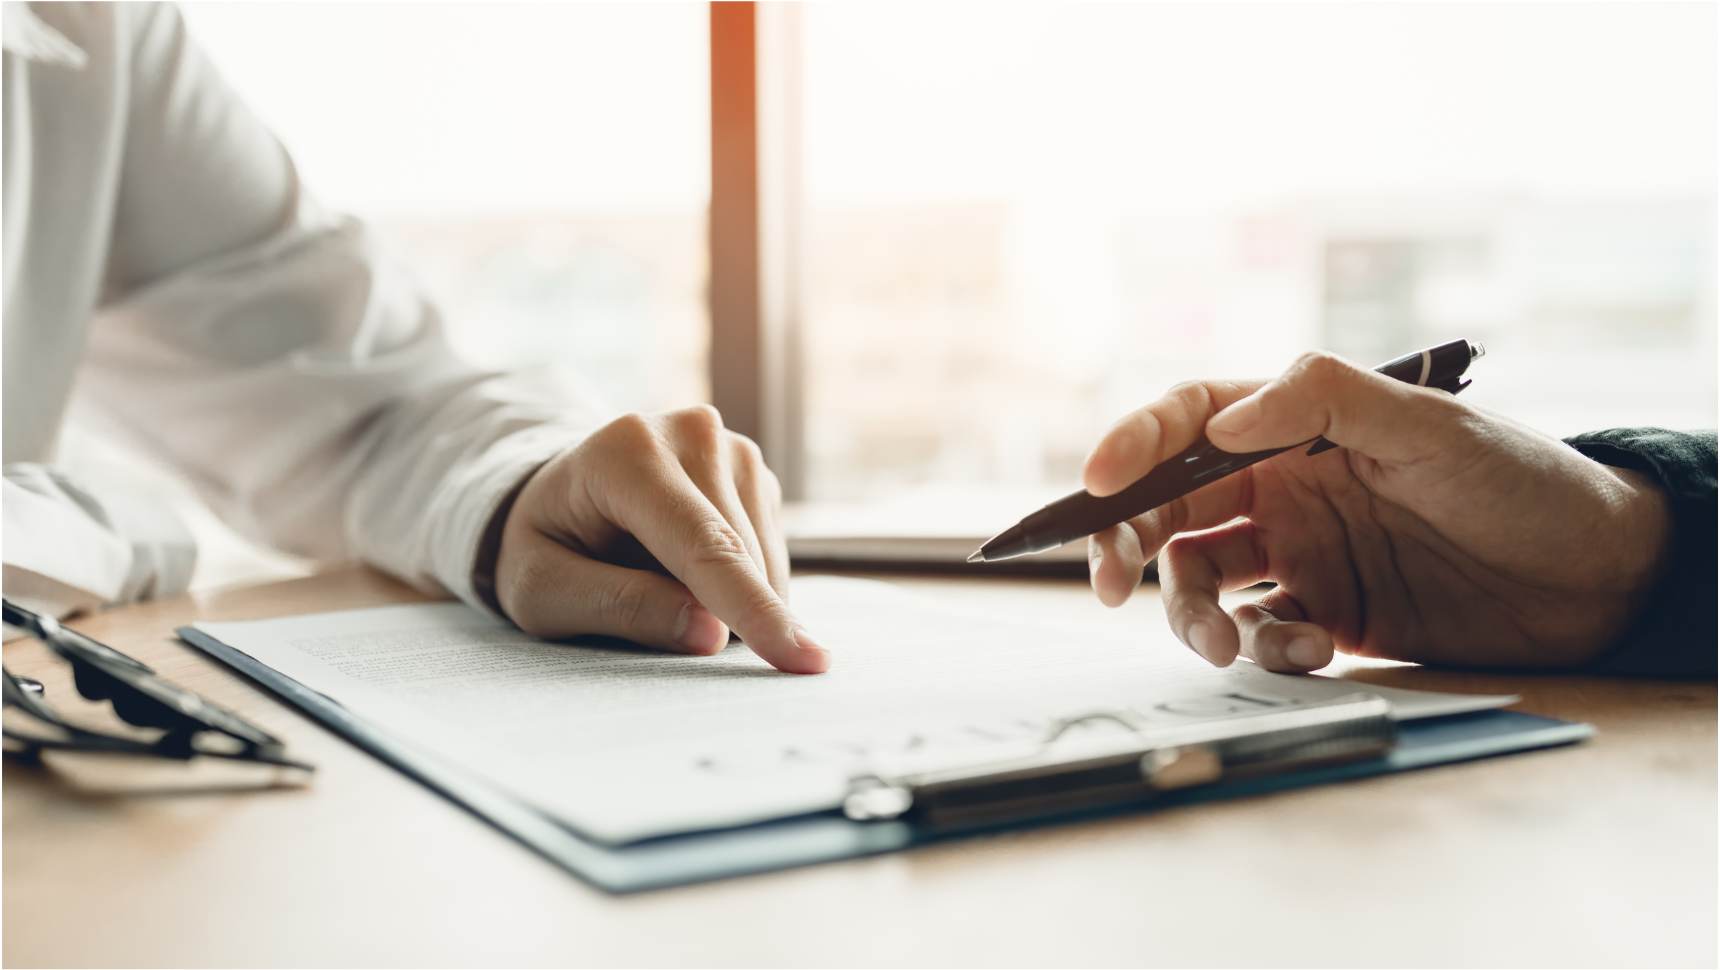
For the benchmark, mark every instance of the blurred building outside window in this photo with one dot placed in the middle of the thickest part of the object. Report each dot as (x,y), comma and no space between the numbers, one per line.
(1024,221)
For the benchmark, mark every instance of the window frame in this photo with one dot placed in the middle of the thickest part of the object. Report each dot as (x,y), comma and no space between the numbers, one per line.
(754,291)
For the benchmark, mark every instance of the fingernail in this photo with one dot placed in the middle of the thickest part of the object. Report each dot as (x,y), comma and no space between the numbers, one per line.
(1237,418)
(804,641)
(1304,652)
(1200,637)
(699,630)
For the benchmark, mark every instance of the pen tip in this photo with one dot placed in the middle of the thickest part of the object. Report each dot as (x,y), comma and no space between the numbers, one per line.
(978,556)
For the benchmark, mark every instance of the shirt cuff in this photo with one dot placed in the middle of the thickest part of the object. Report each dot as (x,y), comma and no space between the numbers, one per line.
(79,544)
(1674,633)
(473,493)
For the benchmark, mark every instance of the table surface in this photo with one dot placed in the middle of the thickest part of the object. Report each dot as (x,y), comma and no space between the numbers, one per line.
(1603,853)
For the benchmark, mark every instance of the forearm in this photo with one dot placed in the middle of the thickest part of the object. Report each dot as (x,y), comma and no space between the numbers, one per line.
(304,386)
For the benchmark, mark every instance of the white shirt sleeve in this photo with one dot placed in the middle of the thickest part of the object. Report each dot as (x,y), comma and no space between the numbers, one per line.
(75,545)
(271,353)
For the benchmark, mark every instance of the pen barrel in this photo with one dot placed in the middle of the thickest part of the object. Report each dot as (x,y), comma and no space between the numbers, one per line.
(1073,516)
(1082,513)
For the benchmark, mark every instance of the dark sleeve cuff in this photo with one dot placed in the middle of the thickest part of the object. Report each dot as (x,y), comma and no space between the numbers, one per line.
(1675,635)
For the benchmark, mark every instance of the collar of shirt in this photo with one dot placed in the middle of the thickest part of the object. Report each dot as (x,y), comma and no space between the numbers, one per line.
(24,34)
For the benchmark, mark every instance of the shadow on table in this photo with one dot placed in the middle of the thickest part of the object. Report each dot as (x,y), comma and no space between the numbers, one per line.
(93,777)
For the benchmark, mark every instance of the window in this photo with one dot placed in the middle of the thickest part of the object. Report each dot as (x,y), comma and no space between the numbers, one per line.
(1022,221)
(543,168)
(1006,225)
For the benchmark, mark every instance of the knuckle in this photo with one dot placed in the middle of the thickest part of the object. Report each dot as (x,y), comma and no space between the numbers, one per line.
(1249,617)
(1178,549)
(700,422)
(764,603)
(747,450)
(631,433)
(621,606)
(1321,367)
(715,544)
(1182,567)
(1194,396)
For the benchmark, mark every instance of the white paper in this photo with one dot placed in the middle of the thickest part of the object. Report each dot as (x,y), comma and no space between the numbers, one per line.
(623,744)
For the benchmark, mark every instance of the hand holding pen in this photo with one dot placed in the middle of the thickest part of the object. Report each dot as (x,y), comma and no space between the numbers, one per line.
(1434,531)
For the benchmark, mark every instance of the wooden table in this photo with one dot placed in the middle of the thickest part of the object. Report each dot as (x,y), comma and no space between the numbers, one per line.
(1599,854)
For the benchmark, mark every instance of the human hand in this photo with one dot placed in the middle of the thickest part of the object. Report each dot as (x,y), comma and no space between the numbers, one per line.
(660,529)
(1436,533)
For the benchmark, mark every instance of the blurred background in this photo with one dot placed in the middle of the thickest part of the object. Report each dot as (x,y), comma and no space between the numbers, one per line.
(1011,223)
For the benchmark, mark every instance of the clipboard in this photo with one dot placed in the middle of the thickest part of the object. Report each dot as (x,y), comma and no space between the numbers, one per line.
(1346,740)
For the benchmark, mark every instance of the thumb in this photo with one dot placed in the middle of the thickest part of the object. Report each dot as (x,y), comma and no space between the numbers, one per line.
(1323,395)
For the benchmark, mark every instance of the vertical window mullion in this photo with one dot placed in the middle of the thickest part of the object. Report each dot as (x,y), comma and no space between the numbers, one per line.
(755,353)
(734,224)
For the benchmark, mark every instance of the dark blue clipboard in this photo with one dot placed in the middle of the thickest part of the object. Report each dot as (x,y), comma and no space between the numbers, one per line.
(826,837)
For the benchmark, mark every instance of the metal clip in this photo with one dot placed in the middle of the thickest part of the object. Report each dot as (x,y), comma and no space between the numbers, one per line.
(1165,769)
(1108,772)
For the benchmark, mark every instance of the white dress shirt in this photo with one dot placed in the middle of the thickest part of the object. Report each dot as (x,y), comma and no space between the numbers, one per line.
(165,268)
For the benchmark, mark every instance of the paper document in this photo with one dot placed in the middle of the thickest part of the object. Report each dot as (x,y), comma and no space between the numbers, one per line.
(623,744)
(926,526)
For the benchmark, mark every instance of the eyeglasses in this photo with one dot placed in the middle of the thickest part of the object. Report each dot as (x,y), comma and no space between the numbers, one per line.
(191,726)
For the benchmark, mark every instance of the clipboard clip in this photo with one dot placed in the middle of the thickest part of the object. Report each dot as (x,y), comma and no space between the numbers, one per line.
(1127,769)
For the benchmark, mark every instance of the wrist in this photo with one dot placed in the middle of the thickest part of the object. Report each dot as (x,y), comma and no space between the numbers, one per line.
(1626,557)
(490,545)
(1645,533)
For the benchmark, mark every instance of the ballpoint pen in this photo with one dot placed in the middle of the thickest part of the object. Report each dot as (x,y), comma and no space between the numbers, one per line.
(1082,513)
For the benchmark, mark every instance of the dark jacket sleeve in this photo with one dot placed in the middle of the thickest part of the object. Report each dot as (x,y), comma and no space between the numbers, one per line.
(1675,634)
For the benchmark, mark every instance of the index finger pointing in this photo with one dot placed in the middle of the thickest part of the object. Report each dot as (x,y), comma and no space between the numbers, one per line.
(678,525)
(1144,438)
